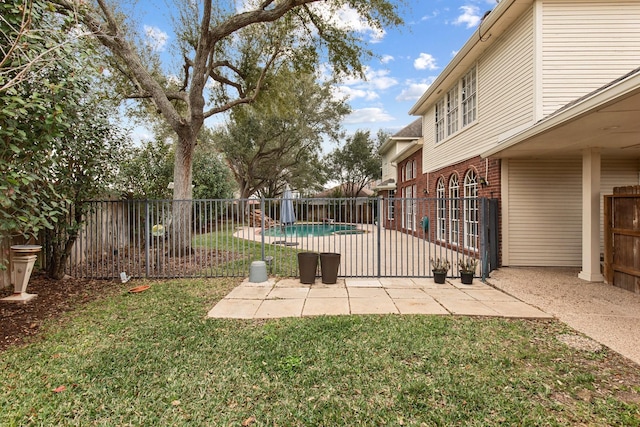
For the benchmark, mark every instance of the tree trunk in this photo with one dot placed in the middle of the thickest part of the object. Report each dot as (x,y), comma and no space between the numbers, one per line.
(62,241)
(181,220)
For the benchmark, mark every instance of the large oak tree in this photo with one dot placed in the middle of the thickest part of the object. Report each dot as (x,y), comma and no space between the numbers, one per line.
(226,55)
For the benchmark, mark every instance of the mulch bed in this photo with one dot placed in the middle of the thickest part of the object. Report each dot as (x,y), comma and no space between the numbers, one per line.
(19,321)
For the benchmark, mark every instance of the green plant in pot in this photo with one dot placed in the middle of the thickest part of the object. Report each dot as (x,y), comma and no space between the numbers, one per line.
(467,268)
(440,267)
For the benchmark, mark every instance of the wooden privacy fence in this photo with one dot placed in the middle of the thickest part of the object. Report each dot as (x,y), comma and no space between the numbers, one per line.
(622,238)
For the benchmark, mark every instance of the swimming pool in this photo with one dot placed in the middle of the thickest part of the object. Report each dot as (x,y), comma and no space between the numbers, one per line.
(311,230)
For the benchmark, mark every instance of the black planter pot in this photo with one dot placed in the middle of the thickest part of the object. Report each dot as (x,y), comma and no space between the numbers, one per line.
(439,276)
(329,265)
(466,278)
(308,265)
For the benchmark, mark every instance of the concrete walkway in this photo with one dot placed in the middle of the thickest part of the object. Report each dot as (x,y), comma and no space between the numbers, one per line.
(290,298)
(605,313)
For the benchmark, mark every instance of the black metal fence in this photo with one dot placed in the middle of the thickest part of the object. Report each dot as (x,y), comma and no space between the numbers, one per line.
(376,237)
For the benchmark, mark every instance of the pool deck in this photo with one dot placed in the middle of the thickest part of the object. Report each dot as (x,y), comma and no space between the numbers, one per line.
(290,298)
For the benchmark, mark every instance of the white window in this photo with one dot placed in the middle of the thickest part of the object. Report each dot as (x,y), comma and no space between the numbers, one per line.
(408,169)
(471,210)
(452,111)
(440,120)
(391,205)
(454,209)
(458,108)
(409,218)
(414,169)
(468,97)
(441,211)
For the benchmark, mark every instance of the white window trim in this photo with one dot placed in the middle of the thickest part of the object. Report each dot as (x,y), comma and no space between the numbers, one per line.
(454,210)
(471,211)
(441,210)
(443,112)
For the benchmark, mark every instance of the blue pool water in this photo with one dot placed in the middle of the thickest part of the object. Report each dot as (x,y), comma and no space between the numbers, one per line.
(315,230)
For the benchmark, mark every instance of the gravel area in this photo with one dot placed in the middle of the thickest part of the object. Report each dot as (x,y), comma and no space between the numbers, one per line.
(608,315)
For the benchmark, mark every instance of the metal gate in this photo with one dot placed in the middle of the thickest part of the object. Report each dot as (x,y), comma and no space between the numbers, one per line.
(375,237)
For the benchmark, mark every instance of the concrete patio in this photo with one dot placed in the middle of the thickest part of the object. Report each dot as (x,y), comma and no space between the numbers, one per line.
(290,298)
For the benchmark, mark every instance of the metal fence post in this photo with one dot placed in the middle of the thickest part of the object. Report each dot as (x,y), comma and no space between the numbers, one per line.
(484,234)
(147,232)
(379,245)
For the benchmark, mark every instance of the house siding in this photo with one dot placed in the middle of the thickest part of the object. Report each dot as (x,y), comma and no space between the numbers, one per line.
(544,212)
(585,44)
(505,99)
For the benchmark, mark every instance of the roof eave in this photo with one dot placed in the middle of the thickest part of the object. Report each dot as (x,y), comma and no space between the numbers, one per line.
(489,29)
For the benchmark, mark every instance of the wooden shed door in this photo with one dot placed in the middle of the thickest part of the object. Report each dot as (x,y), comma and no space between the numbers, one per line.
(622,238)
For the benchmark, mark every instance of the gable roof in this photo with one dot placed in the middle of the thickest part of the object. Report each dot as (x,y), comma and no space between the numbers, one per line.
(489,30)
(412,131)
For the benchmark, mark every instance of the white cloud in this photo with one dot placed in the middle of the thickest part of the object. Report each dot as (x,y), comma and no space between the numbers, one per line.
(367,88)
(348,18)
(386,59)
(350,94)
(425,62)
(156,38)
(368,115)
(414,89)
(470,16)
(434,14)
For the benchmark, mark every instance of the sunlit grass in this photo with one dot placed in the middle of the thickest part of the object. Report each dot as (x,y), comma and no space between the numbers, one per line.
(241,252)
(154,359)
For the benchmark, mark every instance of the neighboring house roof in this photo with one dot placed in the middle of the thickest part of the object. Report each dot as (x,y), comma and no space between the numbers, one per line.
(342,188)
(407,151)
(410,132)
(388,184)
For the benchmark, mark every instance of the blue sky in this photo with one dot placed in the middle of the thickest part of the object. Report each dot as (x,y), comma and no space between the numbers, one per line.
(408,59)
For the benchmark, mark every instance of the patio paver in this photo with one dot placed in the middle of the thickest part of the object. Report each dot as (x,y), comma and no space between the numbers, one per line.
(373,305)
(420,306)
(288,293)
(328,293)
(290,298)
(326,306)
(468,307)
(367,293)
(276,308)
(235,308)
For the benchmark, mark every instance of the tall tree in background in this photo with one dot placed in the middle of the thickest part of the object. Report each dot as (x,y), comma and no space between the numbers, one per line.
(356,163)
(277,140)
(227,55)
(148,170)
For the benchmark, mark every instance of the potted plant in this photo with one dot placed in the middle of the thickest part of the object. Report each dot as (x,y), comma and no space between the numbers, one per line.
(440,267)
(467,269)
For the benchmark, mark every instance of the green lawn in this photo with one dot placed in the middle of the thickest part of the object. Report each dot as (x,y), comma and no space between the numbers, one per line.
(285,262)
(155,359)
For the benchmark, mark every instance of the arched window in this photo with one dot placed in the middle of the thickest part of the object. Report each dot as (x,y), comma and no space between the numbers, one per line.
(414,169)
(441,210)
(471,210)
(454,209)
